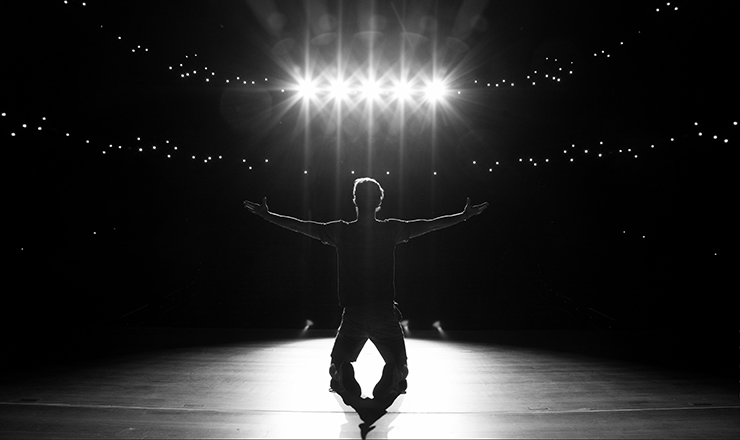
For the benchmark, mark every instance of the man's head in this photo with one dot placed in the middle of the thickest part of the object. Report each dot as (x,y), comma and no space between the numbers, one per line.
(367,194)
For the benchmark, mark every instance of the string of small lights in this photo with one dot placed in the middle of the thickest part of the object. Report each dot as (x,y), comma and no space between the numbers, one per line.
(715,134)
(189,69)
(192,71)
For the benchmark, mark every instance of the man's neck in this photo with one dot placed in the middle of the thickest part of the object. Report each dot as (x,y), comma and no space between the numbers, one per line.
(366,218)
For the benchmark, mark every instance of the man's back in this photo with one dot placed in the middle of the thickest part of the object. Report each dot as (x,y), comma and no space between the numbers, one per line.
(366,259)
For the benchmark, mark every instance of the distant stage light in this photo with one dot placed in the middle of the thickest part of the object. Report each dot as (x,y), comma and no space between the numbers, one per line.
(304,331)
(440,330)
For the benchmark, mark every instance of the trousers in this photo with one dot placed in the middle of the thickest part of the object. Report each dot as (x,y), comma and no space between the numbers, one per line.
(382,327)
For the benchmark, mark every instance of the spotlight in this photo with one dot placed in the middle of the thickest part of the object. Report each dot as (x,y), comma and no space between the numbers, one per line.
(402,91)
(304,331)
(441,332)
(306,89)
(434,91)
(339,90)
(370,90)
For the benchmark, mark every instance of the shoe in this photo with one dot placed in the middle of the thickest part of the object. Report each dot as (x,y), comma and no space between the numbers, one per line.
(401,386)
(343,382)
(335,384)
(348,381)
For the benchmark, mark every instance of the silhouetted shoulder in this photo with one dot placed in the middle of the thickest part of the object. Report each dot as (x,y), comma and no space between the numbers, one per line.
(329,232)
(401,229)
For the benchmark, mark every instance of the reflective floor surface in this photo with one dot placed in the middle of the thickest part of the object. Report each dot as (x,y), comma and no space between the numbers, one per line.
(277,387)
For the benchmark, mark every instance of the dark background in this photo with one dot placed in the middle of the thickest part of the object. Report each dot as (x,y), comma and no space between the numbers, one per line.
(132,238)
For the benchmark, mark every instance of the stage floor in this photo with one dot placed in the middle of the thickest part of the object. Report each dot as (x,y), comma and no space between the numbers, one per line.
(276,386)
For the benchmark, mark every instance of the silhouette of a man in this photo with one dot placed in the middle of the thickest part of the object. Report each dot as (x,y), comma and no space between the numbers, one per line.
(366,270)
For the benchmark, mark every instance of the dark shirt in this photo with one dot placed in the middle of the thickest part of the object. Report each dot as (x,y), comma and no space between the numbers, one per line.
(365,259)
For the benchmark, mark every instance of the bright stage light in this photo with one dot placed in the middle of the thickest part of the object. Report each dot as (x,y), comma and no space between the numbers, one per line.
(370,90)
(306,89)
(435,90)
(402,91)
(339,90)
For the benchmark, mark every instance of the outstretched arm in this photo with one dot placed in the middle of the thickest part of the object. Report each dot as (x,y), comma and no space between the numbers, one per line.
(421,227)
(306,227)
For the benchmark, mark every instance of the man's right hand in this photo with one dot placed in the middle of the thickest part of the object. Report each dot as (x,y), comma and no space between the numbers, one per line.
(470,211)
